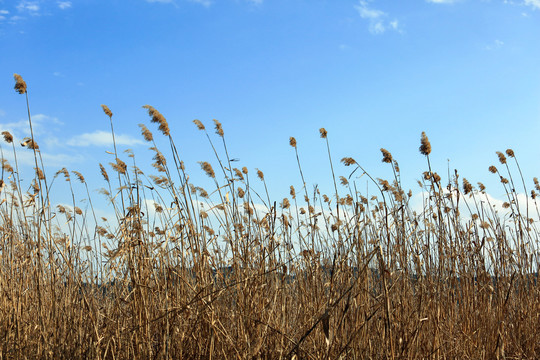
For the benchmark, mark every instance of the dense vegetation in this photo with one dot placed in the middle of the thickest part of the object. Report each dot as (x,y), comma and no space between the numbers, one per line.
(189,273)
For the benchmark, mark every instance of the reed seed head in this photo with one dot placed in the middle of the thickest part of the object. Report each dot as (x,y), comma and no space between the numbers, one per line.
(147,134)
(6,166)
(467,187)
(387,157)
(20,84)
(107,111)
(39,174)
(158,118)
(208,169)
(425,147)
(104,173)
(79,176)
(238,173)
(323,133)
(119,166)
(510,153)
(7,137)
(481,186)
(219,128)
(29,144)
(260,174)
(492,169)
(348,161)
(292,142)
(199,124)
(292,192)
(502,158)
(241,192)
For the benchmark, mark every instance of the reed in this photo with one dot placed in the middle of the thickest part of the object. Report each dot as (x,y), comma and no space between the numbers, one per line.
(188,273)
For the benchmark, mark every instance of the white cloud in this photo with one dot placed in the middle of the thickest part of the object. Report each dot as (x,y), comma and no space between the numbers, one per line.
(495,45)
(64,4)
(533,3)
(30,6)
(41,124)
(4,12)
(256,2)
(376,18)
(26,157)
(102,138)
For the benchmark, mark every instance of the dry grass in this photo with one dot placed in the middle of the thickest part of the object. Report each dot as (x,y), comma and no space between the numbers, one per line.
(312,276)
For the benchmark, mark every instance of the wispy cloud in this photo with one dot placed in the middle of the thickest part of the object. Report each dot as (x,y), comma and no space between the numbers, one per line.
(64,4)
(31,7)
(41,123)
(26,157)
(378,22)
(494,45)
(160,1)
(256,2)
(102,138)
(535,4)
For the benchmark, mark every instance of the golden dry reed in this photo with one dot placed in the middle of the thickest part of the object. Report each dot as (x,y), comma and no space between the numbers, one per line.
(183,272)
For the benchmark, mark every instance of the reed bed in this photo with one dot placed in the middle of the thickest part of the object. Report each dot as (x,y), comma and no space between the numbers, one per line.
(184,272)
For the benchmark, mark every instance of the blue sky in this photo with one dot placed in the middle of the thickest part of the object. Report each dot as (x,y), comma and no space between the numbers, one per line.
(373,73)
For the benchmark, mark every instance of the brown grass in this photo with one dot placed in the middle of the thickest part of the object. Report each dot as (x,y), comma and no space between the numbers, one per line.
(313,276)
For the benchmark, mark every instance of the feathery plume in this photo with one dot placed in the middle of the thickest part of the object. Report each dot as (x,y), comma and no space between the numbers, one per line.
(107,111)
(147,134)
(39,174)
(207,168)
(158,118)
(7,137)
(467,187)
(199,124)
(20,84)
(29,144)
(292,142)
(425,147)
(79,176)
(219,128)
(502,158)
(387,157)
(104,172)
(348,161)
(323,133)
